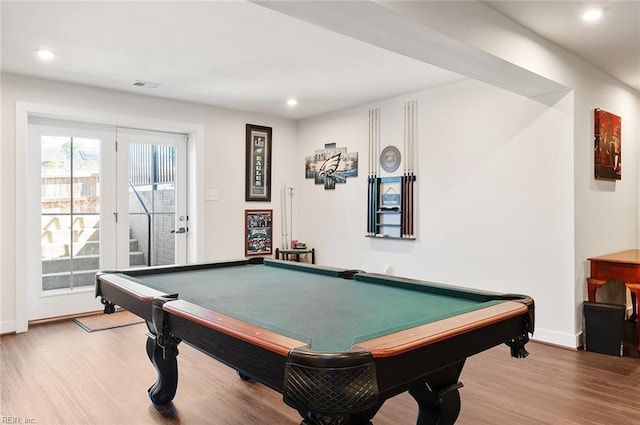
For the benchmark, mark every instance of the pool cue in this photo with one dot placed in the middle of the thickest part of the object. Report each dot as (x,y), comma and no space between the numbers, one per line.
(377,141)
(280,199)
(291,215)
(405,202)
(369,208)
(403,194)
(373,202)
(403,181)
(368,203)
(377,164)
(372,171)
(285,236)
(410,170)
(409,165)
(369,179)
(375,187)
(405,178)
(415,165)
(407,173)
(283,215)
(374,181)
(410,206)
(372,205)
(412,166)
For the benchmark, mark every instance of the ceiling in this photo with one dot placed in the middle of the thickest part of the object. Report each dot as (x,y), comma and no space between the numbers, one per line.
(245,56)
(612,44)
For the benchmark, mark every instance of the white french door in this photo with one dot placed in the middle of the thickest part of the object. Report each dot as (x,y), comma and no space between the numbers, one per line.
(84,209)
(67,235)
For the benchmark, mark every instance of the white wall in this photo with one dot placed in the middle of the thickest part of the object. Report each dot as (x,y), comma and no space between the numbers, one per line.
(494,196)
(222,222)
(607,214)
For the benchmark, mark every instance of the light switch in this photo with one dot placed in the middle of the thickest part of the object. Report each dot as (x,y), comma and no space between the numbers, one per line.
(211,195)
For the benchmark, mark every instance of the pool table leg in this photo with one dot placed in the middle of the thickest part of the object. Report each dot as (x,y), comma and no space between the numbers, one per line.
(437,407)
(109,307)
(362,418)
(163,352)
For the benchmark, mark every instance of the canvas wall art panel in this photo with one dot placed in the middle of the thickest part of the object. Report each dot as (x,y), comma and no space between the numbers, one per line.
(607,145)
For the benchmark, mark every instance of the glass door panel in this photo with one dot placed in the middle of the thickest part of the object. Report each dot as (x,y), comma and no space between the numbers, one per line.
(70,211)
(157,220)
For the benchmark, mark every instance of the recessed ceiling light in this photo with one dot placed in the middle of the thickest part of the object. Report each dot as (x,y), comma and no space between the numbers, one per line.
(46,55)
(292,102)
(592,15)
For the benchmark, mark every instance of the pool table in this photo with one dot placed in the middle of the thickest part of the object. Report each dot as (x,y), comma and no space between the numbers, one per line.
(336,343)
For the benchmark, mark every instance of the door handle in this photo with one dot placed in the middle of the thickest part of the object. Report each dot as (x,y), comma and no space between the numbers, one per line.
(180,230)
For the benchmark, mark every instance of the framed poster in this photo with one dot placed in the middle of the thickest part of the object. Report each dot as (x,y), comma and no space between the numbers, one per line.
(258,164)
(258,238)
(607,134)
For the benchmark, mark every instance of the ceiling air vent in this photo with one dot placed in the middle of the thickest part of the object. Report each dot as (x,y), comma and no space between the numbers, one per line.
(147,84)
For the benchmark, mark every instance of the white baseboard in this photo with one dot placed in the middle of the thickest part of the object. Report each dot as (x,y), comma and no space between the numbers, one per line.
(572,341)
(7,327)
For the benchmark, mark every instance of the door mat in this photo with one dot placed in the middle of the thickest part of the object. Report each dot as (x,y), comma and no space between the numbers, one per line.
(100,322)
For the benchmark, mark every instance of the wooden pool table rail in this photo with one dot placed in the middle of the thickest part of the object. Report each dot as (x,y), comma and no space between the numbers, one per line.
(430,333)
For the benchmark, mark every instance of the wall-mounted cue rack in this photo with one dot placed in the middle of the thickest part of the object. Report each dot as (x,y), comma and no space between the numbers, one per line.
(391,198)
(391,207)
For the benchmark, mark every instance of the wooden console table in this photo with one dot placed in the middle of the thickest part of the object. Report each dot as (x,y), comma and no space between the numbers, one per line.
(624,266)
(294,254)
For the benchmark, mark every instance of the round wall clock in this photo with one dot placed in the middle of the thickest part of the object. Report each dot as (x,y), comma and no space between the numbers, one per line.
(390,159)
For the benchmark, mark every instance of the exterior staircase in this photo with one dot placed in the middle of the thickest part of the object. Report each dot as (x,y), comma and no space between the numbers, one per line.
(85,262)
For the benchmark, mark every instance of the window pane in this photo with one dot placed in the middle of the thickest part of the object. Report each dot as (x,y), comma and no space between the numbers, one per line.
(55,168)
(86,175)
(152,200)
(70,207)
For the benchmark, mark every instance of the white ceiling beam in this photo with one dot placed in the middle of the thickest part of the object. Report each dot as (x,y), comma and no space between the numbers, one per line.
(378,25)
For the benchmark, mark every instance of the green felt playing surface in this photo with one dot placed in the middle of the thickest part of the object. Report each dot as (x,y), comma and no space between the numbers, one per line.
(329,313)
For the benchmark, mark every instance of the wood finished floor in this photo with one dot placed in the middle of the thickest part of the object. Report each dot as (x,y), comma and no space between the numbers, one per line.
(59,374)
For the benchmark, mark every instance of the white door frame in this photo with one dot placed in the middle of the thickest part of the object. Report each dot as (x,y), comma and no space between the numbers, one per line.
(195,170)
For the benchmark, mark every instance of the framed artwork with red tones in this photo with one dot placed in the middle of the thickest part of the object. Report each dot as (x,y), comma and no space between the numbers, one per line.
(607,135)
